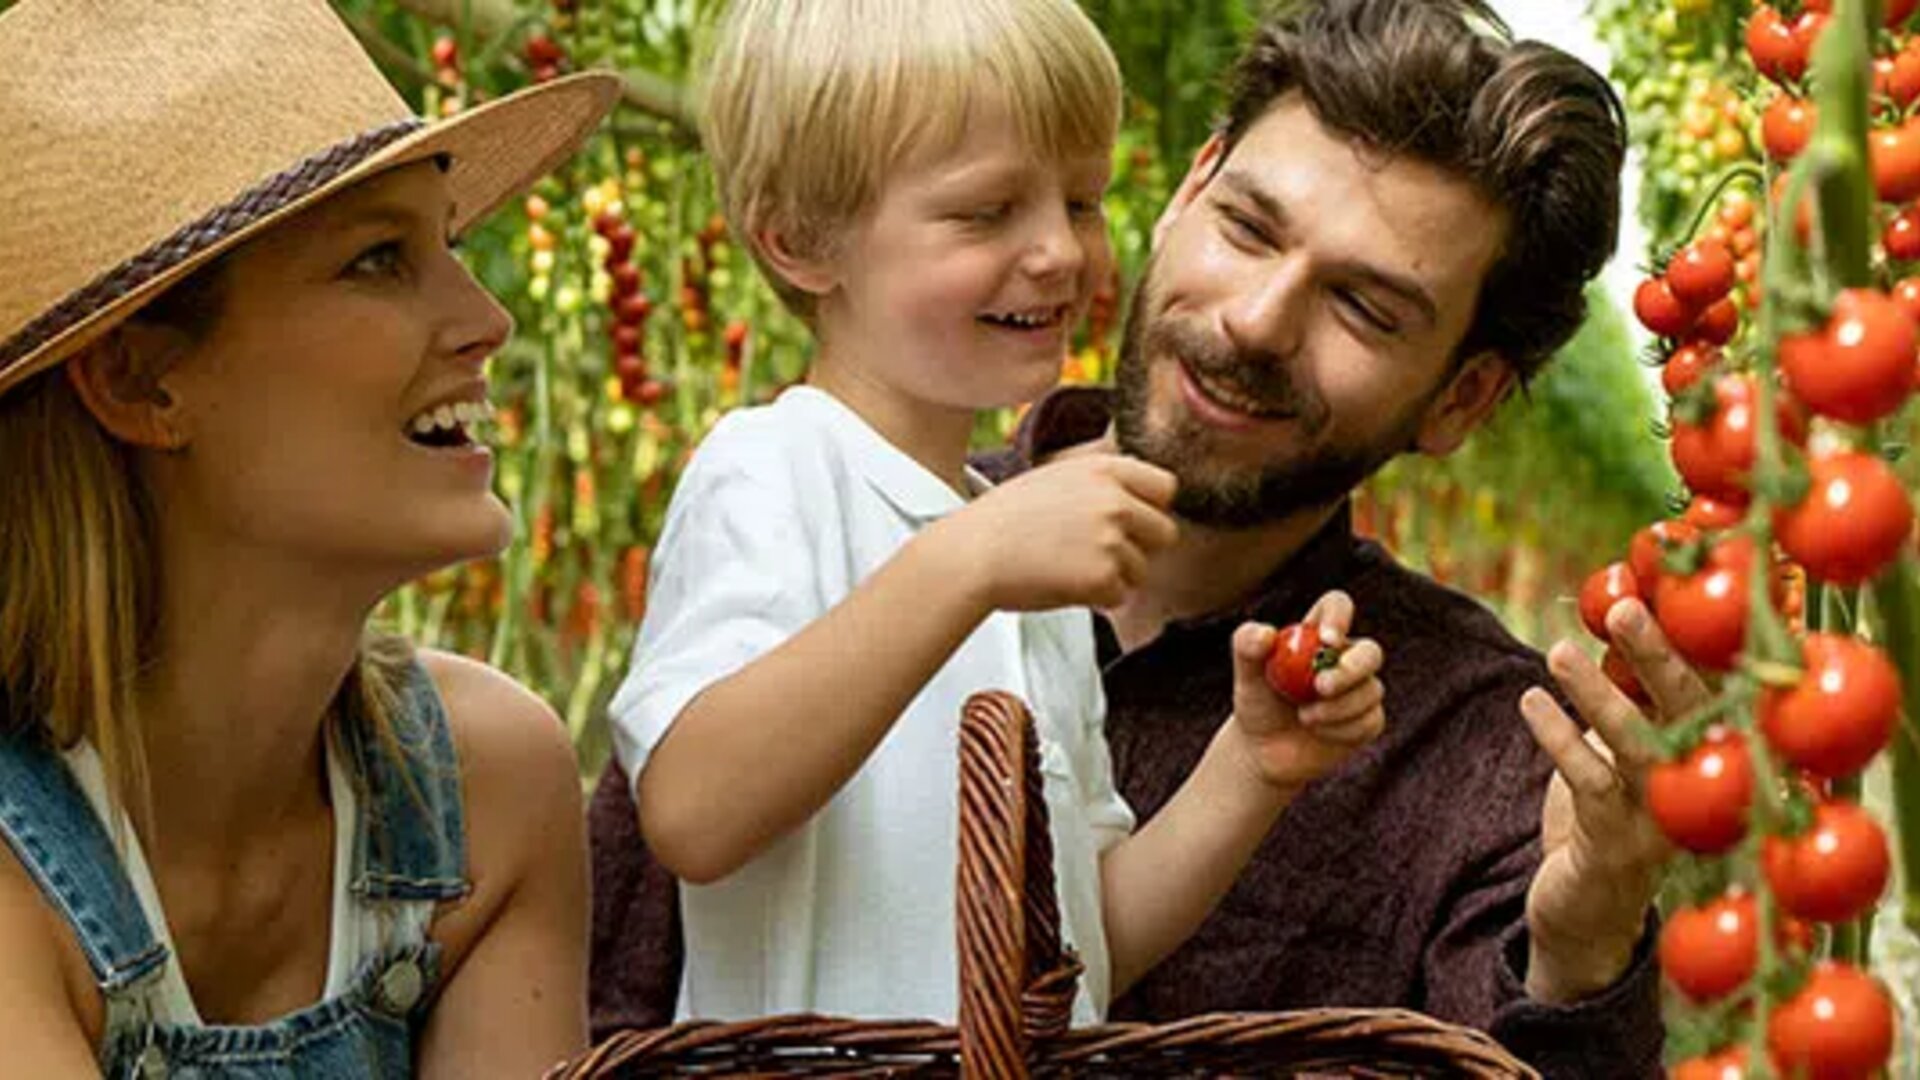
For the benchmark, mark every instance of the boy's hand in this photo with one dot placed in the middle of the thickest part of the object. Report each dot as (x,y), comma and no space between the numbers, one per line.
(1290,745)
(1073,533)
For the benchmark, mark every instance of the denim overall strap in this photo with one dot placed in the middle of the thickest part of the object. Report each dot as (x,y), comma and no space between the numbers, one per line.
(411,829)
(61,842)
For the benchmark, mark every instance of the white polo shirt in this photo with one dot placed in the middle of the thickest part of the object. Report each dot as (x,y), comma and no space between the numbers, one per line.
(782,511)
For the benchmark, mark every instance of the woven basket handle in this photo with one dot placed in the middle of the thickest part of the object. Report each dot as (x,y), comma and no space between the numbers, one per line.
(1016,980)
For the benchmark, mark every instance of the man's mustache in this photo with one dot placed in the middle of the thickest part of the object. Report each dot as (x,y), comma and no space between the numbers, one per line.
(1258,376)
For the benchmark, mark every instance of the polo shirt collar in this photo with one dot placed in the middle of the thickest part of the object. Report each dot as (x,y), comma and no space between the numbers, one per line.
(904,483)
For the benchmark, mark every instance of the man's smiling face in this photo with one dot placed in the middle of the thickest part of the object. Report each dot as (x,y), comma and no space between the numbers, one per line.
(1298,324)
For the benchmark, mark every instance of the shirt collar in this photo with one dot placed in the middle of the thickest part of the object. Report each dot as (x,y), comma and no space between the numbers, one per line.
(903,482)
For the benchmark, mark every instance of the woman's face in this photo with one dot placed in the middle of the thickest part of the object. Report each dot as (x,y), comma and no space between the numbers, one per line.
(326,416)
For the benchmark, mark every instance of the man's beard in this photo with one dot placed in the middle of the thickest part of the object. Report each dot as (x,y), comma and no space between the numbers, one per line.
(1225,496)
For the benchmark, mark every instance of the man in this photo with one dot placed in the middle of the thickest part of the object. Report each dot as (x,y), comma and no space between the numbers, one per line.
(1393,228)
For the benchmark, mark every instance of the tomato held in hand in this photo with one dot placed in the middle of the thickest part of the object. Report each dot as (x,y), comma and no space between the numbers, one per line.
(1298,655)
(1860,368)
(1855,519)
(1619,671)
(1604,588)
(1710,951)
(1700,801)
(1838,1027)
(1834,871)
(1704,614)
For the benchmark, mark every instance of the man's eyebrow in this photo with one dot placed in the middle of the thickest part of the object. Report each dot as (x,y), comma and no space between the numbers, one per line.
(1268,207)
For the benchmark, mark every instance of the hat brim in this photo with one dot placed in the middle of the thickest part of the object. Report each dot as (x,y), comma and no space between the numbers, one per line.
(495,150)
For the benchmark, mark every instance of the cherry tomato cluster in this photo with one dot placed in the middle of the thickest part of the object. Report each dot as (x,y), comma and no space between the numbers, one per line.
(628,306)
(1809,711)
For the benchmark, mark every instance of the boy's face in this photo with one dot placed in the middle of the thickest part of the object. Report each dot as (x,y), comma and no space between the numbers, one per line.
(1297,325)
(960,286)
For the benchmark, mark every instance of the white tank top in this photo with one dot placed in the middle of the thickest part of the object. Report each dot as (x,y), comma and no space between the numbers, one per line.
(359,931)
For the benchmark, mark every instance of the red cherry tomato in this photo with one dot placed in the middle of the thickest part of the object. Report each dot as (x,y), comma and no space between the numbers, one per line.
(1715,455)
(1842,711)
(1700,273)
(1619,671)
(1907,294)
(1896,12)
(1711,515)
(1710,951)
(1298,655)
(1903,82)
(1786,126)
(1729,1063)
(1901,237)
(1860,368)
(1649,548)
(1700,801)
(1719,322)
(1604,588)
(1660,311)
(1854,521)
(1777,52)
(1704,614)
(1685,366)
(1894,155)
(1838,1027)
(1834,871)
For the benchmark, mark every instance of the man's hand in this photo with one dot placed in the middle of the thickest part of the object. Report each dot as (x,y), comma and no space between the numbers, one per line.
(1288,745)
(1604,854)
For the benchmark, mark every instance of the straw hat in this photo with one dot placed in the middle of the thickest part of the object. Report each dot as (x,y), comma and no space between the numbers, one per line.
(142,138)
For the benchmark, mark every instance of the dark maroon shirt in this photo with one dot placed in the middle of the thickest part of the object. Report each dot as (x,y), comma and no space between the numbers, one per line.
(1399,880)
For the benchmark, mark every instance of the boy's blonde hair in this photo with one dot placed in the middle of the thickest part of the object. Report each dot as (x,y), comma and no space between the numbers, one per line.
(808,104)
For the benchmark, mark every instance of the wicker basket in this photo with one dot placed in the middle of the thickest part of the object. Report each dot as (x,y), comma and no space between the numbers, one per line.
(1017,985)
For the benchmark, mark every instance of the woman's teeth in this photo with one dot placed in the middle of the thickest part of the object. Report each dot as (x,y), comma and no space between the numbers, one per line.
(449,423)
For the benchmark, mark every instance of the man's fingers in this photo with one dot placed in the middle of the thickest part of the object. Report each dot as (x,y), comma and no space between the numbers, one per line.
(1361,661)
(1601,704)
(1345,707)
(1151,527)
(1334,614)
(1586,772)
(1150,482)
(1676,688)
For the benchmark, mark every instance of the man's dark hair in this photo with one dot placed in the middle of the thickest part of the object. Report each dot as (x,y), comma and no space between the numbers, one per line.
(1538,132)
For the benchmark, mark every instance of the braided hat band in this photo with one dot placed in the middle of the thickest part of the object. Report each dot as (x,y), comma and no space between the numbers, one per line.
(273,194)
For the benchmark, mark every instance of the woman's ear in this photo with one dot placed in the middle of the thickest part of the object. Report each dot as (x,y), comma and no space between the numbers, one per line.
(796,263)
(119,379)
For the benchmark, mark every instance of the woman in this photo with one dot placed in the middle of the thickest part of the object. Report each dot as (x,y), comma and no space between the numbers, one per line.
(239,366)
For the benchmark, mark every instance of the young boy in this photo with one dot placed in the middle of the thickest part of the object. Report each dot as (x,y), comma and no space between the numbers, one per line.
(921,181)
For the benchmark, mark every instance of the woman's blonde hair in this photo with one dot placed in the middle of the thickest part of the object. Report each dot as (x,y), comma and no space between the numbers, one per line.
(806,105)
(79,615)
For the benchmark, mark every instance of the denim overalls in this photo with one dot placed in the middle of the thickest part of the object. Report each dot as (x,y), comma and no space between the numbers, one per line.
(408,853)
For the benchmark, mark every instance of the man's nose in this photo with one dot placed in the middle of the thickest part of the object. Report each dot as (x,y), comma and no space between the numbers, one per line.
(1266,312)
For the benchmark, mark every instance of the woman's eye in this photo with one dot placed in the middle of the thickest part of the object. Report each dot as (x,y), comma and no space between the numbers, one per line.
(385,259)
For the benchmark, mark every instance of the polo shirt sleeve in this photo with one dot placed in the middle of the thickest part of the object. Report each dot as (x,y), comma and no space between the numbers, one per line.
(732,577)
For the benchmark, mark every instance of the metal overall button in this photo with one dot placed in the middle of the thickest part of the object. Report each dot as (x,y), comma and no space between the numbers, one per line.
(400,987)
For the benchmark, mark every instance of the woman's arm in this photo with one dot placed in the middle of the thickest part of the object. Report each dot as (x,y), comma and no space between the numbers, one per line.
(513,999)
(41,997)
